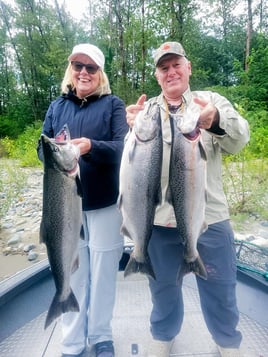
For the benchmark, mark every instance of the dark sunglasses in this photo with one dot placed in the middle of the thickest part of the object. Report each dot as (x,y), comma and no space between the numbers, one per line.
(90,68)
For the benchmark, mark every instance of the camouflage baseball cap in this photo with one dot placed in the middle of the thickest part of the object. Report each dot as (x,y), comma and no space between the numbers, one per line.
(168,48)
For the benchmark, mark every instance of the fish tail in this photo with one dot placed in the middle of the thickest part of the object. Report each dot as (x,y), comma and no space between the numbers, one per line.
(133,266)
(197,267)
(58,307)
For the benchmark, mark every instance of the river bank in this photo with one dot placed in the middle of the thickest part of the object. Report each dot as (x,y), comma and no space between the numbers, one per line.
(19,228)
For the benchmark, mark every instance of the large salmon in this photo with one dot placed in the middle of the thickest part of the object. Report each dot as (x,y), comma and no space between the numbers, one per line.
(61,219)
(187,191)
(140,188)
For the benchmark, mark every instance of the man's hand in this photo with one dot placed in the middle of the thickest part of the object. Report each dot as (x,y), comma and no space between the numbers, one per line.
(133,109)
(208,114)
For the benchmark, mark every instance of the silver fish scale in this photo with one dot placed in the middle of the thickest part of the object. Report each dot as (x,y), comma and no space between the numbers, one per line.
(187,184)
(140,175)
(61,220)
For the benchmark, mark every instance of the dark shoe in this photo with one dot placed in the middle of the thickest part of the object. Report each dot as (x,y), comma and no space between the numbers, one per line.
(104,349)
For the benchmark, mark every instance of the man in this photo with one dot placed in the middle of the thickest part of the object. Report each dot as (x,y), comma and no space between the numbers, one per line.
(222,130)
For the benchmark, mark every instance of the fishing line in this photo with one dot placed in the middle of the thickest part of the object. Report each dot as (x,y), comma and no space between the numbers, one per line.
(49,339)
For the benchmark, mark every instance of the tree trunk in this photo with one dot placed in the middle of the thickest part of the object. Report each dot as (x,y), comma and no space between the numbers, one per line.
(249,34)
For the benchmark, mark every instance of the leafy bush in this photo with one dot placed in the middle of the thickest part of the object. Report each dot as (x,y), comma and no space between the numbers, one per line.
(24,147)
(259,143)
(245,182)
(245,175)
(8,127)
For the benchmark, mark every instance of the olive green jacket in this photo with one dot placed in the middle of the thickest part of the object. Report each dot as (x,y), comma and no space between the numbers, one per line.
(232,135)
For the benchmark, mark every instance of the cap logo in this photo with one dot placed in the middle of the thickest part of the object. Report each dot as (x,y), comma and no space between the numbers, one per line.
(166,46)
(174,48)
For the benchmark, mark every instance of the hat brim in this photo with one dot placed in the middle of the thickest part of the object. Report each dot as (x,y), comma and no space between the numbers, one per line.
(167,56)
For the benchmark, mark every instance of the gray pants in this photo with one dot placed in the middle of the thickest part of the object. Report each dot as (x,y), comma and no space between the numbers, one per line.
(94,283)
(217,293)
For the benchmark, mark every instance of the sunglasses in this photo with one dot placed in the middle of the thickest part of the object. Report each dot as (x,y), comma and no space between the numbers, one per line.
(90,68)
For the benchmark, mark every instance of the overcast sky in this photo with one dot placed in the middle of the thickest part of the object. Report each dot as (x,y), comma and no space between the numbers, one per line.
(75,7)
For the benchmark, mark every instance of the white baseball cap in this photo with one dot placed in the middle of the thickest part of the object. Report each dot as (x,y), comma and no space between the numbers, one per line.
(91,51)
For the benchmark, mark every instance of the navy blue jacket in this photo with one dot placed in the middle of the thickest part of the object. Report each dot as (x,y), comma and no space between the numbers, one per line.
(103,121)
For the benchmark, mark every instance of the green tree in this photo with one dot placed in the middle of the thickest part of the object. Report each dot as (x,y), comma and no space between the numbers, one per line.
(36,37)
(38,40)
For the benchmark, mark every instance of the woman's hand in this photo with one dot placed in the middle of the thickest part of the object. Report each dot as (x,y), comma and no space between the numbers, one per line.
(84,144)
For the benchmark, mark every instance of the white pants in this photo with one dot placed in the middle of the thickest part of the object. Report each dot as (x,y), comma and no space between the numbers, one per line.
(94,282)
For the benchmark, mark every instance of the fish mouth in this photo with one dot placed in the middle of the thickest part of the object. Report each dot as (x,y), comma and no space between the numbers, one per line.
(193,135)
(74,171)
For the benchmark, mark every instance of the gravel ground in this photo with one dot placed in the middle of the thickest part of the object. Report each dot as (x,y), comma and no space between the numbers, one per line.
(19,232)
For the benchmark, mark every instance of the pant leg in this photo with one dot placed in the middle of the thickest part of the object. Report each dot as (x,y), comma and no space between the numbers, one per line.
(166,254)
(218,292)
(74,324)
(106,248)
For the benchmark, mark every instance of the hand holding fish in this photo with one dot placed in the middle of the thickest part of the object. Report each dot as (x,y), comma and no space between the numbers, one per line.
(133,109)
(208,114)
(84,144)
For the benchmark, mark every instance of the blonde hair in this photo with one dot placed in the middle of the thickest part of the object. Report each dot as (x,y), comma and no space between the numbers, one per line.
(103,88)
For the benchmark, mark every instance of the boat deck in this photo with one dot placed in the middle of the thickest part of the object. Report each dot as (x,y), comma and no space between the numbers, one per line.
(24,305)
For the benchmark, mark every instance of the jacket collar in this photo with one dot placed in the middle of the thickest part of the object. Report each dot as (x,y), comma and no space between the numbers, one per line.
(81,102)
(186,97)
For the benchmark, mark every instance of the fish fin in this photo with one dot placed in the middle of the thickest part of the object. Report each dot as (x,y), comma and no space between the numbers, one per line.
(75,264)
(168,195)
(137,267)
(79,186)
(158,196)
(63,134)
(124,232)
(204,228)
(202,151)
(132,150)
(58,307)
(119,201)
(82,232)
(197,267)
(42,233)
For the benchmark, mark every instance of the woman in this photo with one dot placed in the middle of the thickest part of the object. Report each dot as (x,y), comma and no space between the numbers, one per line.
(97,124)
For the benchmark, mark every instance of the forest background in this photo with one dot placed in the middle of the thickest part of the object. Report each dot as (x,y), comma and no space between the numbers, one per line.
(226,41)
